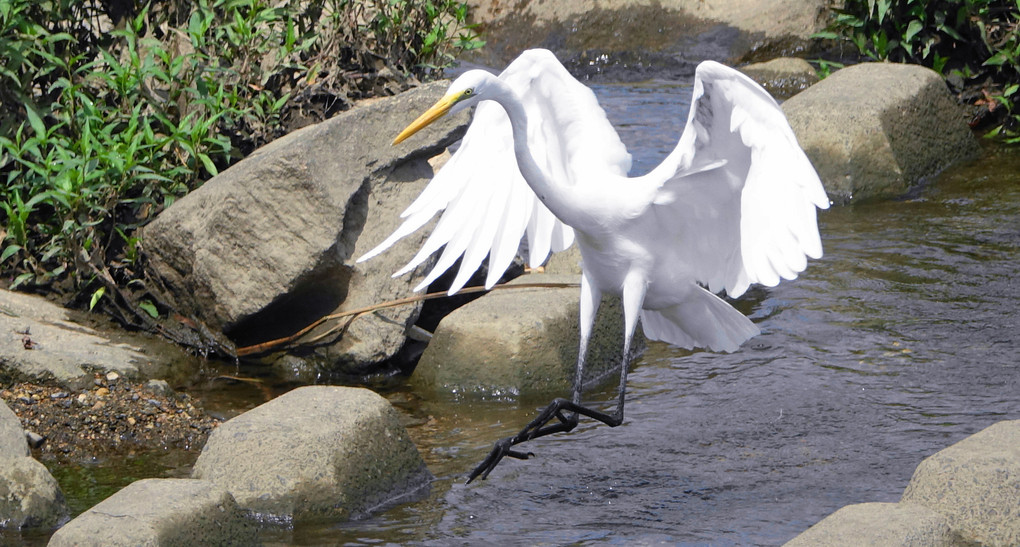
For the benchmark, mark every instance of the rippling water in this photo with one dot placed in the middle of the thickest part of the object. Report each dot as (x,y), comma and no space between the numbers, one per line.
(900,341)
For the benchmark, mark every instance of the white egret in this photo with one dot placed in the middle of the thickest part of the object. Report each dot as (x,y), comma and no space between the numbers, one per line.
(733,204)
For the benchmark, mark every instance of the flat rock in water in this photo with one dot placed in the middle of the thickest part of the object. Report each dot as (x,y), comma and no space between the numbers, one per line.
(268,246)
(521,342)
(317,452)
(878,524)
(875,130)
(161,512)
(41,342)
(975,483)
(29,496)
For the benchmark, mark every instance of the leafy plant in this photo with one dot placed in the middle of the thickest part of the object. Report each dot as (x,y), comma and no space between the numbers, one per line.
(110,111)
(974,42)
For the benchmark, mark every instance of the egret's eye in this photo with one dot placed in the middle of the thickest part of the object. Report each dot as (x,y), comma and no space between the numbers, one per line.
(468,92)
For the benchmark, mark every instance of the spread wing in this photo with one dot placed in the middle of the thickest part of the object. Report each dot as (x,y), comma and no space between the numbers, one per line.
(739,194)
(487,205)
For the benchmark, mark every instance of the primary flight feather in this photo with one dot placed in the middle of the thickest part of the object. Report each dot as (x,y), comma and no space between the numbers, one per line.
(733,204)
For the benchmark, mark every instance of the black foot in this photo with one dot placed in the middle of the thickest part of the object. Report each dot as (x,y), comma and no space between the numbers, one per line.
(499,451)
(539,427)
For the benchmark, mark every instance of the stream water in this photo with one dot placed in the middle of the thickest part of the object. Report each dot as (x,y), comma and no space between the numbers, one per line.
(900,341)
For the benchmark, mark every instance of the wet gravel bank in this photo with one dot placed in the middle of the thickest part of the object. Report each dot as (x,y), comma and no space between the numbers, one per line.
(112,416)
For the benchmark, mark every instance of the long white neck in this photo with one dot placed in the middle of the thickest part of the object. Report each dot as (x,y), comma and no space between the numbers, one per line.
(558,197)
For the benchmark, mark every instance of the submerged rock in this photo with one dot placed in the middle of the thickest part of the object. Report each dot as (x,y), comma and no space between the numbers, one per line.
(315,453)
(521,342)
(268,246)
(975,483)
(161,512)
(876,130)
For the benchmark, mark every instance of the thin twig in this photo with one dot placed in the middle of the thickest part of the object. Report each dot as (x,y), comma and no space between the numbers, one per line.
(351,315)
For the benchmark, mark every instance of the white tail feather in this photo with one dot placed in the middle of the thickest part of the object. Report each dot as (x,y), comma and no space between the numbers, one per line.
(703,320)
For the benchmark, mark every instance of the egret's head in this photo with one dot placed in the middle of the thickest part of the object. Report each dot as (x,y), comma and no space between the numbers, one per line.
(467,90)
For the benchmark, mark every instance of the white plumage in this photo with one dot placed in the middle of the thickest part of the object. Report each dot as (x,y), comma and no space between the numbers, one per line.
(733,204)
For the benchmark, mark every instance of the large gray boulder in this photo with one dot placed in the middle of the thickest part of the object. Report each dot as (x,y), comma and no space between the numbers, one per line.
(975,483)
(878,524)
(317,452)
(875,130)
(642,37)
(521,342)
(29,496)
(44,343)
(268,246)
(161,512)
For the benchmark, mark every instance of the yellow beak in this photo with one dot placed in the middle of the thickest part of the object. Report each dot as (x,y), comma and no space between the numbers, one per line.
(437,111)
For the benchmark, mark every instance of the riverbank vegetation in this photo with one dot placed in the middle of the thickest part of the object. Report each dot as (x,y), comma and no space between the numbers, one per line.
(975,44)
(113,109)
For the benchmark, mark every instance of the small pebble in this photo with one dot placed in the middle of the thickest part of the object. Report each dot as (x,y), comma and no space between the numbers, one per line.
(112,376)
(102,392)
(59,395)
(34,439)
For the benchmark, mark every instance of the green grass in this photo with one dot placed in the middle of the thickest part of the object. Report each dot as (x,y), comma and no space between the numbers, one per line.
(108,118)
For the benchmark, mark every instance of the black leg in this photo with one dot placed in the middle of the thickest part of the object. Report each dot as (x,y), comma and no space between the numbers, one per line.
(539,427)
(633,296)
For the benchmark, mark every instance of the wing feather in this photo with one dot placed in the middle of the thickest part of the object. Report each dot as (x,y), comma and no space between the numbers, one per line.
(740,182)
(487,207)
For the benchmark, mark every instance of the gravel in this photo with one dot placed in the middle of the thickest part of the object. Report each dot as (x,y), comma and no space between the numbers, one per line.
(111,417)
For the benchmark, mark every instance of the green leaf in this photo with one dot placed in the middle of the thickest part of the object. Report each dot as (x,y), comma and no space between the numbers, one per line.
(149,308)
(20,280)
(913,28)
(35,121)
(10,250)
(96,296)
(998,59)
(208,163)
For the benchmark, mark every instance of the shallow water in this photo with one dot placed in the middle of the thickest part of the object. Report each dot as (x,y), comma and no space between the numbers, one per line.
(899,342)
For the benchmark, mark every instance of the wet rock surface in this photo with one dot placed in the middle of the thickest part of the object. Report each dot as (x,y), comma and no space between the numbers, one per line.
(29,496)
(314,453)
(161,512)
(268,246)
(966,494)
(630,40)
(521,343)
(783,77)
(111,416)
(876,130)
(975,483)
(879,524)
(43,342)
